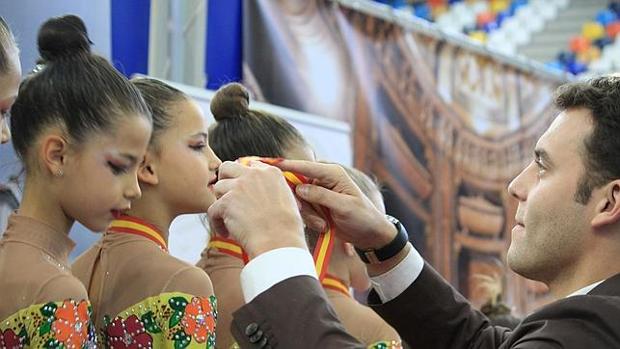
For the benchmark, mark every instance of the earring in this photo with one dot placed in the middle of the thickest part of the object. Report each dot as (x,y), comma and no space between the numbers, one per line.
(59,173)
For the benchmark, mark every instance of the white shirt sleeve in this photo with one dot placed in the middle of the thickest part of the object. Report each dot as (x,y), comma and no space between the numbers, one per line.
(394,282)
(273,267)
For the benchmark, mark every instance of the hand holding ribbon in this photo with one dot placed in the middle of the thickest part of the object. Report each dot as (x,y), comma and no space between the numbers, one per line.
(354,217)
(256,208)
(323,249)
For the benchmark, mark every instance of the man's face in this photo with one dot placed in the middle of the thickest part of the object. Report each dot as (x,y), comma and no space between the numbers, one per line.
(551,227)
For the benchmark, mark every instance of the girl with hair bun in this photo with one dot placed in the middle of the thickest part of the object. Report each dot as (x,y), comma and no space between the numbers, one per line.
(140,293)
(238,132)
(81,130)
(10,76)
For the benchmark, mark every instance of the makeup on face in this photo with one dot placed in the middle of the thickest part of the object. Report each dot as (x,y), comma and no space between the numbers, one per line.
(120,163)
(198,141)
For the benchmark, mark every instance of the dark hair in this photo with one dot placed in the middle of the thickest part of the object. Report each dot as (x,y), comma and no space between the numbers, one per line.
(241,132)
(7,43)
(158,96)
(600,95)
(73,89)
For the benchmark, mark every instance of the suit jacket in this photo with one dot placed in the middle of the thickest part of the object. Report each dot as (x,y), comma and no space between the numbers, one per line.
(429,314)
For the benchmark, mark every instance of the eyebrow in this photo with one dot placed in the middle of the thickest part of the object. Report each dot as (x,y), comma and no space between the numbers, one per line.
(544,156)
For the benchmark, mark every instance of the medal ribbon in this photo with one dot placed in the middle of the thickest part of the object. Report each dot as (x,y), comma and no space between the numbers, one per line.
(132,225)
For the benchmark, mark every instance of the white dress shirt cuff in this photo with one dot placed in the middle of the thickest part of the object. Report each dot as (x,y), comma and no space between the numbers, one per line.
(394,282)
(273,267)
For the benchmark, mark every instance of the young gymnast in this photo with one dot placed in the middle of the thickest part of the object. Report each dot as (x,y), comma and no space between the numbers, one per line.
(241,132)
(141,295)
(80,129)
(238,132)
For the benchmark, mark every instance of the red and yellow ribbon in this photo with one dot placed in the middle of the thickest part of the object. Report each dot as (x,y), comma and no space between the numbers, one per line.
(334,283)
(229,247)
(323,249)
(132,225)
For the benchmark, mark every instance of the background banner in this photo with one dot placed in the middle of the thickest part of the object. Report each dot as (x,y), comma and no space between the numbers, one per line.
(443,127)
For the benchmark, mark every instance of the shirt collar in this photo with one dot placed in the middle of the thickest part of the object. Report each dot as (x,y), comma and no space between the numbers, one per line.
(585,290)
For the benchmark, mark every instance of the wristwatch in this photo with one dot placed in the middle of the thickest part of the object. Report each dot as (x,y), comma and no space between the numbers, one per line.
(372,256)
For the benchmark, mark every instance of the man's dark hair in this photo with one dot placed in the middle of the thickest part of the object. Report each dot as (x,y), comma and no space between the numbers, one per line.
(601,155)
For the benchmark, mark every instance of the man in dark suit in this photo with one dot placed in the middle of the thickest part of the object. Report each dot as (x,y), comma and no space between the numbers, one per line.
(567,235)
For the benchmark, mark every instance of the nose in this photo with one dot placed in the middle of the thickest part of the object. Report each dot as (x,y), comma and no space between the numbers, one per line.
(214,161)
(519,186)
(5,133)
(132,191)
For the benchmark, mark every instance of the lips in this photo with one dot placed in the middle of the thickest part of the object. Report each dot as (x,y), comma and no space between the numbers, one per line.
(117,213)
(212,181)
(519,218)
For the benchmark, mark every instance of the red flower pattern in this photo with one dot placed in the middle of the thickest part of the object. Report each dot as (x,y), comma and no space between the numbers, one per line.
(9,340)
(128,334)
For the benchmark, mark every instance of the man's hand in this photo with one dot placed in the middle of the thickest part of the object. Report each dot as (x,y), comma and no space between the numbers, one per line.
(256,207)
(355,218)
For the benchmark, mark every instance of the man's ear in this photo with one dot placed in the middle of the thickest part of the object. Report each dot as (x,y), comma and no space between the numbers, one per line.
(608,207)
(54,150)
(147,172)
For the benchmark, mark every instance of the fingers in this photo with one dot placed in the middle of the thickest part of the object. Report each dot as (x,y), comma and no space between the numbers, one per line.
(216,213)
(312,219)
(315,223)
(230,169)
(222,187)
(325,173)
(258,164)
(318,195)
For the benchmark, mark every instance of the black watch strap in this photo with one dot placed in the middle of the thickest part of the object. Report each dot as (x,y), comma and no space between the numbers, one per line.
(372,256)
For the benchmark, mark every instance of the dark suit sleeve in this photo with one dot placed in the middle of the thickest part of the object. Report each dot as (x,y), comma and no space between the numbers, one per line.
(294,313)
(431,314)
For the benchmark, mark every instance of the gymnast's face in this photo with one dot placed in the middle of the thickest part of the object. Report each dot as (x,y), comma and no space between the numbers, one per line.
(552,228)
(99,177)
(185,163)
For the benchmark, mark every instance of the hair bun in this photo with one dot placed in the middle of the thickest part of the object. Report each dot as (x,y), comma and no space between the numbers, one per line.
(231,101)
(63,36)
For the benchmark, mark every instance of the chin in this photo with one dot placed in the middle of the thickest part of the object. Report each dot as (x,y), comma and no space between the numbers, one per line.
(512,260)
(522,265)
(98,226)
